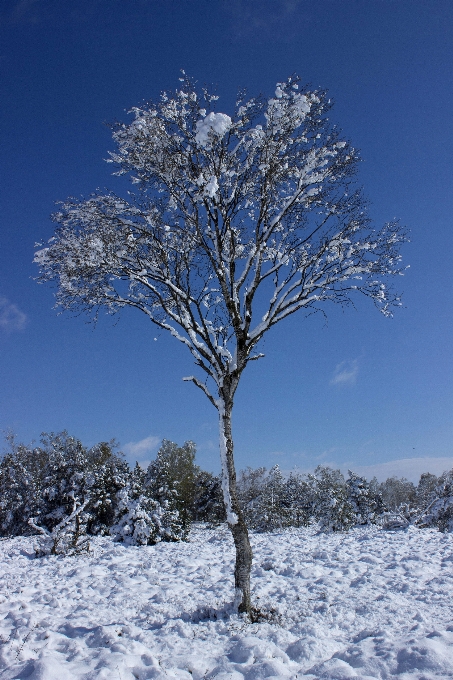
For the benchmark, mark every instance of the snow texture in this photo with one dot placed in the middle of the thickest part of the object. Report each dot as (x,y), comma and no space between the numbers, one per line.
(367,604)
(214,124)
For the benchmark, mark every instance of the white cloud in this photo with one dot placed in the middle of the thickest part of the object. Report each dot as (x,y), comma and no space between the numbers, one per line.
(411,468)
(266,17)
(345,372)
(138,450)
(11,317)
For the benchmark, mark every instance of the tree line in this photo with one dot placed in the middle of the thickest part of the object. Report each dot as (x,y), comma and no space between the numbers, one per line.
(66,492)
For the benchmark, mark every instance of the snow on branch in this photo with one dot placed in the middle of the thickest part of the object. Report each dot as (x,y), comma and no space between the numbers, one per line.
(230,208)
(202,387)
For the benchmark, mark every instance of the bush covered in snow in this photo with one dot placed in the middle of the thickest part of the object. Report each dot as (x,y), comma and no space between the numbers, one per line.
(270,501)
(67,537)
(208,500)
(397,492)
(439,513)
(65,491)
(141,520)
(43,483)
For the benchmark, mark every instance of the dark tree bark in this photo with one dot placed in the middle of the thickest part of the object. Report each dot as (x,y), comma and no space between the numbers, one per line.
(235,517)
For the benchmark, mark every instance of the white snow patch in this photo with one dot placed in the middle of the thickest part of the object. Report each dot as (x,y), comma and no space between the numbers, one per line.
(211,187)
(368,604)
(217,123)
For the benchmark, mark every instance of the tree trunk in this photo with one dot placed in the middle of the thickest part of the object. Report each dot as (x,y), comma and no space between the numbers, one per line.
(235,517)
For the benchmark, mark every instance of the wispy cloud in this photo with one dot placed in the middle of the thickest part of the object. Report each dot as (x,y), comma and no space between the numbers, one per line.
(267,18)
(20,11)
(411,468)
(345,372)
(11,317)
(139,450)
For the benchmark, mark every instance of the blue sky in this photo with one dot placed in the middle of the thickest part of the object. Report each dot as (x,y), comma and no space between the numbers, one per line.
(358,391)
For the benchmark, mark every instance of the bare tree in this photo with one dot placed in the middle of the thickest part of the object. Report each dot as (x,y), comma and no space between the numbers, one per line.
(237,222)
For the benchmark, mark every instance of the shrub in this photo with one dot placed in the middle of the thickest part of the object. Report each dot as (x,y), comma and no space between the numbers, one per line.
(439,512)
(44,482)
(171,478)
(144,521)
(208,503)
(366,501)
(332,507)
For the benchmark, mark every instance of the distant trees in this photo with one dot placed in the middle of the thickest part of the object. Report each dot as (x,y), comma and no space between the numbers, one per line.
(173,475)
(270,501)
(66,492)
(397,492)
(44,482)
(438,511)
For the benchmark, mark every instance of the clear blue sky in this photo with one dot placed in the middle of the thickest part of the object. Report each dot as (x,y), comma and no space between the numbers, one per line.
(65,68)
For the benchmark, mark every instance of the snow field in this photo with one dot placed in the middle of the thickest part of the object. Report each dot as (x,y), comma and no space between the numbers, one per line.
(366,604)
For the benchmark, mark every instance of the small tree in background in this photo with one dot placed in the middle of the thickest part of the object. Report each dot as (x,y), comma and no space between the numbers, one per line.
(439,512)
(426,490)
(366,501)
(208,503)
(299,499)
(238,222)
(332,507)
(141,520)
(52,481)
(397,492)
(172,477)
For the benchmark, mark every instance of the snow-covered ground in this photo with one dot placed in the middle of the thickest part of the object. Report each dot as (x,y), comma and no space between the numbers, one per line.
(367,604)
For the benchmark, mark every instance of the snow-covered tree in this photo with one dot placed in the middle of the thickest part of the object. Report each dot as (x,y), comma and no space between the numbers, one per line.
(332,507)
(439,512)
(44,482)
(208,500)
(366,502)
(239,220)
(141,520)
(425,491)
(172,477)
(249,487)
(262,499)
(397,492)
(66,537)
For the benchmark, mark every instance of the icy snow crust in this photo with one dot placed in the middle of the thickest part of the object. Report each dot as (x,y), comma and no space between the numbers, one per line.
(367,604)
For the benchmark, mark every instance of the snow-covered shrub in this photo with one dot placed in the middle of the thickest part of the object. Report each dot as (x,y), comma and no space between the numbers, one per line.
(299,499)
(270,510)
(366,502)
(21,473)
(260,495)
(208,505)
(332,507)
(396,492)
(425,491)
(250,483)
(395,519)
(171,478)
(269,501)
(67,537)
(439,512)
(43,482)
(144,521)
